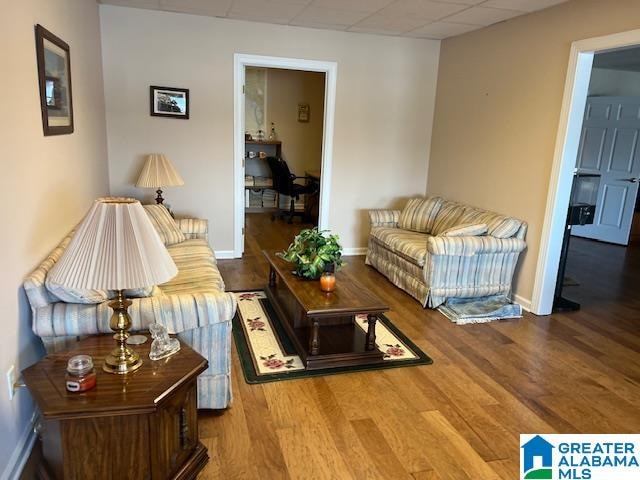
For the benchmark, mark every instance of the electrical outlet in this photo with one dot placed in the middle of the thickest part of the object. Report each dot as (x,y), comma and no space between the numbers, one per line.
(11,381)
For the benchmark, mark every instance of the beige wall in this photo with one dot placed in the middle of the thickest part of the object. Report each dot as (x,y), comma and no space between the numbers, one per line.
(385,92)
(498,105)
(301,142)
(48,183)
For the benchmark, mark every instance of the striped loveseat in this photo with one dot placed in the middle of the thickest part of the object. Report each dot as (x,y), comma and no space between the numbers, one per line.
(435,249)
(193,305)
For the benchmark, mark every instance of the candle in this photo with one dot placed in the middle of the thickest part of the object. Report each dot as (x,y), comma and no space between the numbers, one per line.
(328,282)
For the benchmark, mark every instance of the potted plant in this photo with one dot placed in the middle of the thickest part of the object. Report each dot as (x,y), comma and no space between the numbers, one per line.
(312,252)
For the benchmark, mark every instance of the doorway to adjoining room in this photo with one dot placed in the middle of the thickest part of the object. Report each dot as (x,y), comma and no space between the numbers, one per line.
(600,249)
(284,116)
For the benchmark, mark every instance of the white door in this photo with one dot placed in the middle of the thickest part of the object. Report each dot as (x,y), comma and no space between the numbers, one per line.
(609,146)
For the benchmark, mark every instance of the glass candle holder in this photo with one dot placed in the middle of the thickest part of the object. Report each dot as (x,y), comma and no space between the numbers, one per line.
(81,376)
(328,282)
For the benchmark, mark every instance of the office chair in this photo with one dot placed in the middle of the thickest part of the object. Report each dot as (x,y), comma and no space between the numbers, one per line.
(284,184)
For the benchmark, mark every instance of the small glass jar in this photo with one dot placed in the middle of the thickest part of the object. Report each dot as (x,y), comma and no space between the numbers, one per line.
(328,279)
(81,376)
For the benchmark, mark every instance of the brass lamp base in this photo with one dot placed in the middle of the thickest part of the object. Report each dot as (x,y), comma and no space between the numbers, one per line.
(114,363)
(122,359)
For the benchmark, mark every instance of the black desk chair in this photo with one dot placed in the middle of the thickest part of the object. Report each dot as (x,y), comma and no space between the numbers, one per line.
(284,184)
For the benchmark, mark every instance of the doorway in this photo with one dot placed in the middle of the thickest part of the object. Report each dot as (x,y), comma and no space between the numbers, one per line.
(247,156)
(284,112)
(568,148)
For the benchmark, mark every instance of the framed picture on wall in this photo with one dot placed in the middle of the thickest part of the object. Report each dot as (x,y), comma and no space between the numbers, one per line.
(169,102)
(54,80)
(303,112)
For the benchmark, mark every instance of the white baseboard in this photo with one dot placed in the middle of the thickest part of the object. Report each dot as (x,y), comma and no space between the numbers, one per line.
(224,254)
(348,252)
(525,302)
(21,453)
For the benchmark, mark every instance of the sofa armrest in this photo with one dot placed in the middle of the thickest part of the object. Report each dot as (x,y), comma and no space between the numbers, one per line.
(384,218)
(472,245)
(194,227)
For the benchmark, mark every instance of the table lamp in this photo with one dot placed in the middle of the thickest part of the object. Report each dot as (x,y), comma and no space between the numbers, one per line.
(115,248)
(158,172)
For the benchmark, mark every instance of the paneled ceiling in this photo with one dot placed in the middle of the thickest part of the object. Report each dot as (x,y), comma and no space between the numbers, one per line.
(434,19)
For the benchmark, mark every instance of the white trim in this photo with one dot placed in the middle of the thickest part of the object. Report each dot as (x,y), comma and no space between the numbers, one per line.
(353,251)
(525,303)
(21,453)
(240,61)
(564,158)
(224,254)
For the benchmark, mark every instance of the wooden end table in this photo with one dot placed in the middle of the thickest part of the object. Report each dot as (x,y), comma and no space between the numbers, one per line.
(322,325)
(142,425)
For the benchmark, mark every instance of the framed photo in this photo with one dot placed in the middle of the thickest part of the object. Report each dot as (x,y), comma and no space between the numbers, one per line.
(169,102)
(54,79)
(303,112)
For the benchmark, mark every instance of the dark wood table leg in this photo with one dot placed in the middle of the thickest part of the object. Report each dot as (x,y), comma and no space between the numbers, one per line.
(272,277)
(371,331)
(313,340)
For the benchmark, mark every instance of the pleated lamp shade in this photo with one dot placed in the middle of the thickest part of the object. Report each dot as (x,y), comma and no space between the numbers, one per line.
(158,172)
(114,248)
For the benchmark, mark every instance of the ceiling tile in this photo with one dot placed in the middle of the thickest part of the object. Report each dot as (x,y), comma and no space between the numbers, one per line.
(524,5)
(387,25)
(216,8)
(440,30)
(482,16)
(329,16)
(270,11)
(422,9)
(369,6)
(148,4)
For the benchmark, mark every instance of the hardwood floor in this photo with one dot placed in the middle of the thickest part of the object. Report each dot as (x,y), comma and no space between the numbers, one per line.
(456,419)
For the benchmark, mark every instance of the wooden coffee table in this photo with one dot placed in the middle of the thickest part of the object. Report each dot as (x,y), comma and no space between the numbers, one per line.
(322,325)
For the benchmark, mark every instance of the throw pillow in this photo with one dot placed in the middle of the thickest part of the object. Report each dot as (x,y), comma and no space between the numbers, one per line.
(164,224)
(419,214)
(499,226)
(75,295)
(466,230)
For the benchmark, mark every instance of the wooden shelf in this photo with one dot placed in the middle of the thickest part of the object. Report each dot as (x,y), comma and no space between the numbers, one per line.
(264,142)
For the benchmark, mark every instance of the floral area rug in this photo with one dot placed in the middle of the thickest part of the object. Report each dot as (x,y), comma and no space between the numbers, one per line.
(267,354)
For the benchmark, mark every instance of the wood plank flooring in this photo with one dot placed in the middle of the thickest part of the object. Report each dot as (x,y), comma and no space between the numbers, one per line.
(456,419)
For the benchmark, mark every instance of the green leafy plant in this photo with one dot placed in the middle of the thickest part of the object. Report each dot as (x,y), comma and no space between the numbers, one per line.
(312,251)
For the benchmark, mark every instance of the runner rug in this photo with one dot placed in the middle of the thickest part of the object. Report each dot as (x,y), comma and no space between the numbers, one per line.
(267,353)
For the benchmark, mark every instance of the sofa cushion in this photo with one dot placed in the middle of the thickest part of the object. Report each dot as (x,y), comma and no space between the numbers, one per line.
(412,246)
(447,217)
(164,224)
(466,230)
(419,214)
(499,226)
(197,270)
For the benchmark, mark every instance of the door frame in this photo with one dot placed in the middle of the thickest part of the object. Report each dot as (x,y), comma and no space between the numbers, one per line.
(330,69)
(564,159)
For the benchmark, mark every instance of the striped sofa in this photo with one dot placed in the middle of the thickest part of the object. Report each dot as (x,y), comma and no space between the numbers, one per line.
(192,305)
(435,249)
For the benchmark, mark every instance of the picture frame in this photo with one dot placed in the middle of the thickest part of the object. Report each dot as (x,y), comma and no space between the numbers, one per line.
(54,81)
(303,112)
(169,102)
